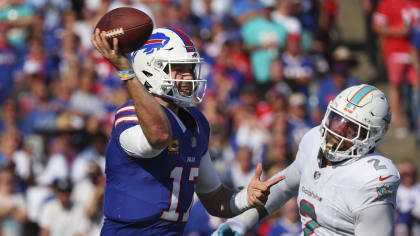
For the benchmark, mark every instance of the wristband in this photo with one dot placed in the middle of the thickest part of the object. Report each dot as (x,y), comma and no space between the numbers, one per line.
(126,74)
(239,201)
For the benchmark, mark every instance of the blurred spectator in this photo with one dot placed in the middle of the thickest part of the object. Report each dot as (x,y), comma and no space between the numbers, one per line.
(61,153)
(7,64)
(35,61)
(253,135)
(371,39)
(243,11)
(390,22)
(205,17)
(88,194)
(298,68)
(408,201)
(83,101)
(415,101)
(218,8)
(283,15)
(278,153)
(94,211)
(51,11)
(275,102)
(12,204)
(220,148)
(287,224)
(92,154)
(247,130)
(338,79)
(307,13)
(173,16)
(263,38)
(230,70)
(88,17)
(276,71)
(60,217)
(8,115)
(9,143)
(328,11)
(298,123)
(26,161)
(18,15)
(242,170)
(40,116)
(84,188)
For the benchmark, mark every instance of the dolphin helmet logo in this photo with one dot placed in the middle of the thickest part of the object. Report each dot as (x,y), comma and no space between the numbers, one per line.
(155,43)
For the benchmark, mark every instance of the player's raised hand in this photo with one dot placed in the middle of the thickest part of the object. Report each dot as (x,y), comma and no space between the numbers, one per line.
(258,190)
(110,52)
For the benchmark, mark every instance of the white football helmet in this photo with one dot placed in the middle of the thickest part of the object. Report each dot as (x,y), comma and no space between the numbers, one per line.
(354,123)
(152,65)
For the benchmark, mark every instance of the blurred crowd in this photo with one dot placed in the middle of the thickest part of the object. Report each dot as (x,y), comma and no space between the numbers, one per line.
(272,66)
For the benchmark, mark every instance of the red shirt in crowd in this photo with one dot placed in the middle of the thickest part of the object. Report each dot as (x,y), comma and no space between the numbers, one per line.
(395,14)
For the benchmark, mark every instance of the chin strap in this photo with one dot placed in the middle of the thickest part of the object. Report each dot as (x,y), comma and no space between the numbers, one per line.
(322,161)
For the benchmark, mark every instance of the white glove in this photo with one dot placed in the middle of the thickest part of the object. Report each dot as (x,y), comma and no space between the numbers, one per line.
(233,227)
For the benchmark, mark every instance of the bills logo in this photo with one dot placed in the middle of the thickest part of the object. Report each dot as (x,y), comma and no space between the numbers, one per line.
(155,43)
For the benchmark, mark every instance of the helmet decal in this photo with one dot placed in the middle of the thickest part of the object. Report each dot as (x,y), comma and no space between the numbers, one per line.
(358,97)
(189,45)
(155,43)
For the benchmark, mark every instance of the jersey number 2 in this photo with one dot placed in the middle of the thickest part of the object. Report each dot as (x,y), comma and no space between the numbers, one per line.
(308,210)
(172,212)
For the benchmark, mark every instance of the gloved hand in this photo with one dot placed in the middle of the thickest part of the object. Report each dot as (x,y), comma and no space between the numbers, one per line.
(233,227)
(225,230)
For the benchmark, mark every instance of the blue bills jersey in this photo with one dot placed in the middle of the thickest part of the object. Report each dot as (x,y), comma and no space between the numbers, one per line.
(159,188)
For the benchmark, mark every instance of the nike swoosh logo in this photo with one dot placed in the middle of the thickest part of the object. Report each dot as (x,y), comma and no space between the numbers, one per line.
(384,178)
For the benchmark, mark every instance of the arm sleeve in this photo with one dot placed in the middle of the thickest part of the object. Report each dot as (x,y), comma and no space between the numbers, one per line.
(375,220)
(207,180)
(134,143)
(281,192)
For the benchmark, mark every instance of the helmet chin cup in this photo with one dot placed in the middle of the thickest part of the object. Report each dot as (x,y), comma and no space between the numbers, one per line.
(332,143)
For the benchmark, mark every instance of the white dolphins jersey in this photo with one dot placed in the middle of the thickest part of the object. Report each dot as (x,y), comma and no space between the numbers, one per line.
(330,197)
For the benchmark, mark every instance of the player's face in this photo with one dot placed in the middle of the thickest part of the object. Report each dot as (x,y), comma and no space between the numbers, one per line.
(183,72)
(345,128)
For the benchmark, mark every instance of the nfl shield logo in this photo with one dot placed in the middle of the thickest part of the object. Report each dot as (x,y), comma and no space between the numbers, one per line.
(317,174)
(193,142)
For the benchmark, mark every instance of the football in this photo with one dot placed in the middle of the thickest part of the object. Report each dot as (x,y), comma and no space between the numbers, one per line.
(130,26)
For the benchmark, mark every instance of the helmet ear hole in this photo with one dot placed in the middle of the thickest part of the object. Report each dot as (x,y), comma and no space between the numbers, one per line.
(166,69)
(363,134)
(147,74)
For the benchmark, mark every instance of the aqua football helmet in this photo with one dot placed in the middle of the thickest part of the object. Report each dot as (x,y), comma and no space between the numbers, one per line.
(154,62)
(354,123)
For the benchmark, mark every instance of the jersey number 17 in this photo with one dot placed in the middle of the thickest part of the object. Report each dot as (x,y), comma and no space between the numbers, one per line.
(172,212)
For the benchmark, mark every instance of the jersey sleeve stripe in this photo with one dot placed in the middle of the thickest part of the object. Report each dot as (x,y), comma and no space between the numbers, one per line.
(130,118)
(124,109)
